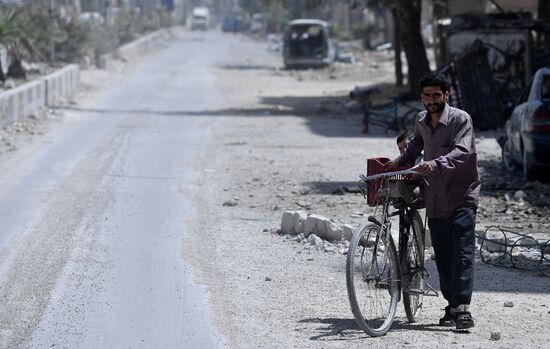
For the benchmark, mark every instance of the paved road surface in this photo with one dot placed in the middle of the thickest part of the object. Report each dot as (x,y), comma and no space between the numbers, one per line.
(93,220)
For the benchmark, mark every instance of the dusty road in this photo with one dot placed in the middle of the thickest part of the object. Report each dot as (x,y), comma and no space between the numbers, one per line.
(142,216)
(94,214)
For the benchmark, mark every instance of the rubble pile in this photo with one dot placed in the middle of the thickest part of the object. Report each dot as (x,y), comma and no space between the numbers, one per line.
(316,230)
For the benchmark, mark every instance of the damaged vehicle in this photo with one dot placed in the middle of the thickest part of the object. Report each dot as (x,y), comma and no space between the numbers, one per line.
(527,140)
(307,44)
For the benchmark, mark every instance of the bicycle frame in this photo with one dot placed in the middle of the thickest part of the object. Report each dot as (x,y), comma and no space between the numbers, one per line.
(406,229)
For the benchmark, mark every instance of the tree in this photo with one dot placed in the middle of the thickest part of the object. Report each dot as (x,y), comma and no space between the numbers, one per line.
(17,34)
(408,17)
(407,34)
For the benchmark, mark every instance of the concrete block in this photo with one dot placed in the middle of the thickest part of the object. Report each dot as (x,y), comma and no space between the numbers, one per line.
(322,227)
(287,222)
(22,101)
(62,84)
(347,232)
(299,219)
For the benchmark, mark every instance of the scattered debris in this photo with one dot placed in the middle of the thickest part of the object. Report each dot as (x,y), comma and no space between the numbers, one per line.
(495,336)
(230,203)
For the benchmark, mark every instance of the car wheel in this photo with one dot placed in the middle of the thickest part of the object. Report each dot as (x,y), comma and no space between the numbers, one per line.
(507,162)
(528,169)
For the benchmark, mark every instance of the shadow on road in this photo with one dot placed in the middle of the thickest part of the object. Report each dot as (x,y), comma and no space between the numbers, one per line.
(326,116)
(335,329)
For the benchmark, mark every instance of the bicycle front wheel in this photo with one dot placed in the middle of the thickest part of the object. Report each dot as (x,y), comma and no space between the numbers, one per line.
(412,269)
(372,278)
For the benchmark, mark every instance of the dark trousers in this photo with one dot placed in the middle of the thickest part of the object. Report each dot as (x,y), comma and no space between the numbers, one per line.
(453,240)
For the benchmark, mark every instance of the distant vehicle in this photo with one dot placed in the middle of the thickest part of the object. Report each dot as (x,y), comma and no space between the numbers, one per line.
(231,24)
(527,140)
(307,44)
(200,18)
(257,23)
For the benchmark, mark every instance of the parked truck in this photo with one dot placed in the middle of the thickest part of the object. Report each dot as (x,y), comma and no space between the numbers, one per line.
(200,18)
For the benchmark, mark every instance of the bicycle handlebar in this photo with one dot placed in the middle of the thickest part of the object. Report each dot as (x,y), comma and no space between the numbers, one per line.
(398,174)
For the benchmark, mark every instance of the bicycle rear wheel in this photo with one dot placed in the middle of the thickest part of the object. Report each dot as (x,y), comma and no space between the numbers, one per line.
(372,278)
(412,269)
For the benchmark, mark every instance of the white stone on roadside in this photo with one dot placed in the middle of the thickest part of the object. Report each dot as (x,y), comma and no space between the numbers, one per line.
(328,247)
(508,304)
(347,232)
(299,218)
(287,222)
(230,203)
(322,227)
(315,240)
(495,336)
(299,238)
(519,195)
(310,225)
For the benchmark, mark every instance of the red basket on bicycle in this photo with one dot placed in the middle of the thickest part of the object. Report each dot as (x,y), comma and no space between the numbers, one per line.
(376,166)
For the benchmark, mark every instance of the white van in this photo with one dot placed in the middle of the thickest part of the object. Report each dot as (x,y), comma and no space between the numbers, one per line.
(200,18)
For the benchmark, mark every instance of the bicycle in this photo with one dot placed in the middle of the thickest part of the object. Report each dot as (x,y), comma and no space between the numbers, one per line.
(376,272)
(396,115)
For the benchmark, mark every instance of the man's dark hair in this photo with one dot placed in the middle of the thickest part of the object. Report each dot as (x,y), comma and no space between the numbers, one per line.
(435,79)
(404,135)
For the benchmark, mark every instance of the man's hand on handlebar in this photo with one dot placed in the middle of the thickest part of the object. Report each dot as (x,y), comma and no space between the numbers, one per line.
(391,166)
(424,168)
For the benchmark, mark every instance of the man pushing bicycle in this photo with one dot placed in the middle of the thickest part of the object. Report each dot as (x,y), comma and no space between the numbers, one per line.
(446,136)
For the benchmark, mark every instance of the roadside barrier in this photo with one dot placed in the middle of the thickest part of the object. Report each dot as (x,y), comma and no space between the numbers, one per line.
(34,96)
(132,49)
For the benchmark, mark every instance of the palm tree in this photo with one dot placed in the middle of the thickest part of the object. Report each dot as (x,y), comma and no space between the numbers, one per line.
(17,35)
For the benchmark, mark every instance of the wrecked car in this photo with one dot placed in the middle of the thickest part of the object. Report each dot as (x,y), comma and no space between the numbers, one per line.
(527,139)
(307,44)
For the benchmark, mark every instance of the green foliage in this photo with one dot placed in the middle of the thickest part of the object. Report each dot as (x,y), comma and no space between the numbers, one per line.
(72,45)
(17,32)
(17,35)
(127,25)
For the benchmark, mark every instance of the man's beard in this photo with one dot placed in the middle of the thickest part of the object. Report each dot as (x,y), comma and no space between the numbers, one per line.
(439,109)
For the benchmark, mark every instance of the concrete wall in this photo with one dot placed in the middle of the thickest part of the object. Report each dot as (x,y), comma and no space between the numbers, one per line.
(22,101)
(61,84)
(32,97)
